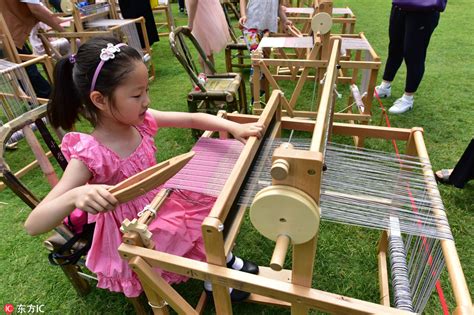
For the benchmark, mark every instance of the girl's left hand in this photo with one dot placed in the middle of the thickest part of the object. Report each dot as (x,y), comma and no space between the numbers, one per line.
(243,131)
(287,24)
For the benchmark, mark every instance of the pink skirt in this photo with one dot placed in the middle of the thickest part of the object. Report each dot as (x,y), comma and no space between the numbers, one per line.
(176,230)
(210,26)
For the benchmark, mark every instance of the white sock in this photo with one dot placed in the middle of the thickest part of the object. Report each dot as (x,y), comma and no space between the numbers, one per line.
(385,85)
(238,262)
(208,286)
(408,97)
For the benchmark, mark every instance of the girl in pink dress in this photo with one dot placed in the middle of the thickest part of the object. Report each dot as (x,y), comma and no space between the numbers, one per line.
(107,83)
(208,24)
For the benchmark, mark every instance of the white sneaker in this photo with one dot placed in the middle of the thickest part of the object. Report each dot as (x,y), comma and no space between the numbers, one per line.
(401,105)
(383,91)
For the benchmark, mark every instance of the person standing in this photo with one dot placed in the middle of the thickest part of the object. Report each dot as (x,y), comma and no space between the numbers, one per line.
(463,171)
(182,8)
(208,24)
(21,16)
(409,31)
(132,9)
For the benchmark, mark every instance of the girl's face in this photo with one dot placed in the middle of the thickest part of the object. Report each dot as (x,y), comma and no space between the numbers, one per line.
(131,97)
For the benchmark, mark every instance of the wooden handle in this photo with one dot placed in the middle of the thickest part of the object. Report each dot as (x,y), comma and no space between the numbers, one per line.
(150,178)
(280,169)
(279,253)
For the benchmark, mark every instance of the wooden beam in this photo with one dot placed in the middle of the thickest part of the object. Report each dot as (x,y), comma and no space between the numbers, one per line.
(317,299)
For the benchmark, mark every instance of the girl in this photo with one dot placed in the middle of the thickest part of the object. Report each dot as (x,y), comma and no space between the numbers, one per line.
(260,18)
(209,26)
(107,83)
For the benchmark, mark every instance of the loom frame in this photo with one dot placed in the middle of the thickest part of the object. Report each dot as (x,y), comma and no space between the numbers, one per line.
(296,67)
(344,16)
(290,288)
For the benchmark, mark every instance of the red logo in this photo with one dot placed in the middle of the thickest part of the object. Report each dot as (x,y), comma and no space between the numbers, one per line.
(8,308)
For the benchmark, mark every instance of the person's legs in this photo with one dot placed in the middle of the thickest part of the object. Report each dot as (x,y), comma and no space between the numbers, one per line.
(40,84)
(396,33)
(464,169)
(419,28)
(252,38)
(204,66)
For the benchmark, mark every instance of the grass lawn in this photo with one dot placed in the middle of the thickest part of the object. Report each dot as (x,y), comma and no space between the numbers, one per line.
(346,260)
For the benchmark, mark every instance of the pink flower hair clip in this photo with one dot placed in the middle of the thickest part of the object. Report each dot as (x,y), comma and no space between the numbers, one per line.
(106,54)
(109,52)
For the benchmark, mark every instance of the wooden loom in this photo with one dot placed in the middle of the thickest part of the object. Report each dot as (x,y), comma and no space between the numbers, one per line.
(311,54)
(297,178)
(303,16)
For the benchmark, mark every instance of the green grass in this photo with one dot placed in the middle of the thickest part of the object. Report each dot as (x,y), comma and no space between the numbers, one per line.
(346,257)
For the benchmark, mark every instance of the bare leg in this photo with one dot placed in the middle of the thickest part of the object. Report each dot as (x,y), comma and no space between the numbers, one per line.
(204,66)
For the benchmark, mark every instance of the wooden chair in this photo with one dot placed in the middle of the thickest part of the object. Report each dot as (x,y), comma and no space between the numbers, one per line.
(296,176)
(163,7)
(235,51)
(221,91)
(231,7)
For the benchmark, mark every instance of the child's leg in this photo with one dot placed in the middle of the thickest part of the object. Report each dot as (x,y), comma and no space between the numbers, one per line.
(236,263)
(204,66)
(252,38)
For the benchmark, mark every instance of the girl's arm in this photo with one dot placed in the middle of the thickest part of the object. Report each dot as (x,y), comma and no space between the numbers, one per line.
(243,12)
(206,122)
(192,12)
(71,192)
(283,18)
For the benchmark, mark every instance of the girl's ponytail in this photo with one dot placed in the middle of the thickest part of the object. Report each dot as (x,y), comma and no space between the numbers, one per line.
(65,104)
(73,78)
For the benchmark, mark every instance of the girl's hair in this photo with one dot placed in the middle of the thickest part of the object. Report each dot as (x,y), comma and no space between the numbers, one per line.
(73,78)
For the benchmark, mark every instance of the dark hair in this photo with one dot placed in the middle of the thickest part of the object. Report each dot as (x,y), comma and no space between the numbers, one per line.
(72,81)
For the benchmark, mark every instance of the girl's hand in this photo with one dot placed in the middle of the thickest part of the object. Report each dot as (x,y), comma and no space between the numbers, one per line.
(287,25)
(243,131)
(242,21)
(94,198)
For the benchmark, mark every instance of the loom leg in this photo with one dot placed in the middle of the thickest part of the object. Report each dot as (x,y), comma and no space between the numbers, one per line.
(80,284)
(139,305)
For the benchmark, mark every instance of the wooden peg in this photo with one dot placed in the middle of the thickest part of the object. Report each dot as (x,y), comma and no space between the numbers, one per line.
(139,228)
(279,253)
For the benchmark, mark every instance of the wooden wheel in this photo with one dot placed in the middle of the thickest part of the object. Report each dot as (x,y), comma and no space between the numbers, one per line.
(321,22)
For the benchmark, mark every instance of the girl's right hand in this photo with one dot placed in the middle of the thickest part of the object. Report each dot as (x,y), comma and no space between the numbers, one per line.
(94,199)
(242,21)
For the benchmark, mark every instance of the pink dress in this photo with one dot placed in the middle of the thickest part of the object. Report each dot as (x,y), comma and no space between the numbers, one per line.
(210,26)
(176,230)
